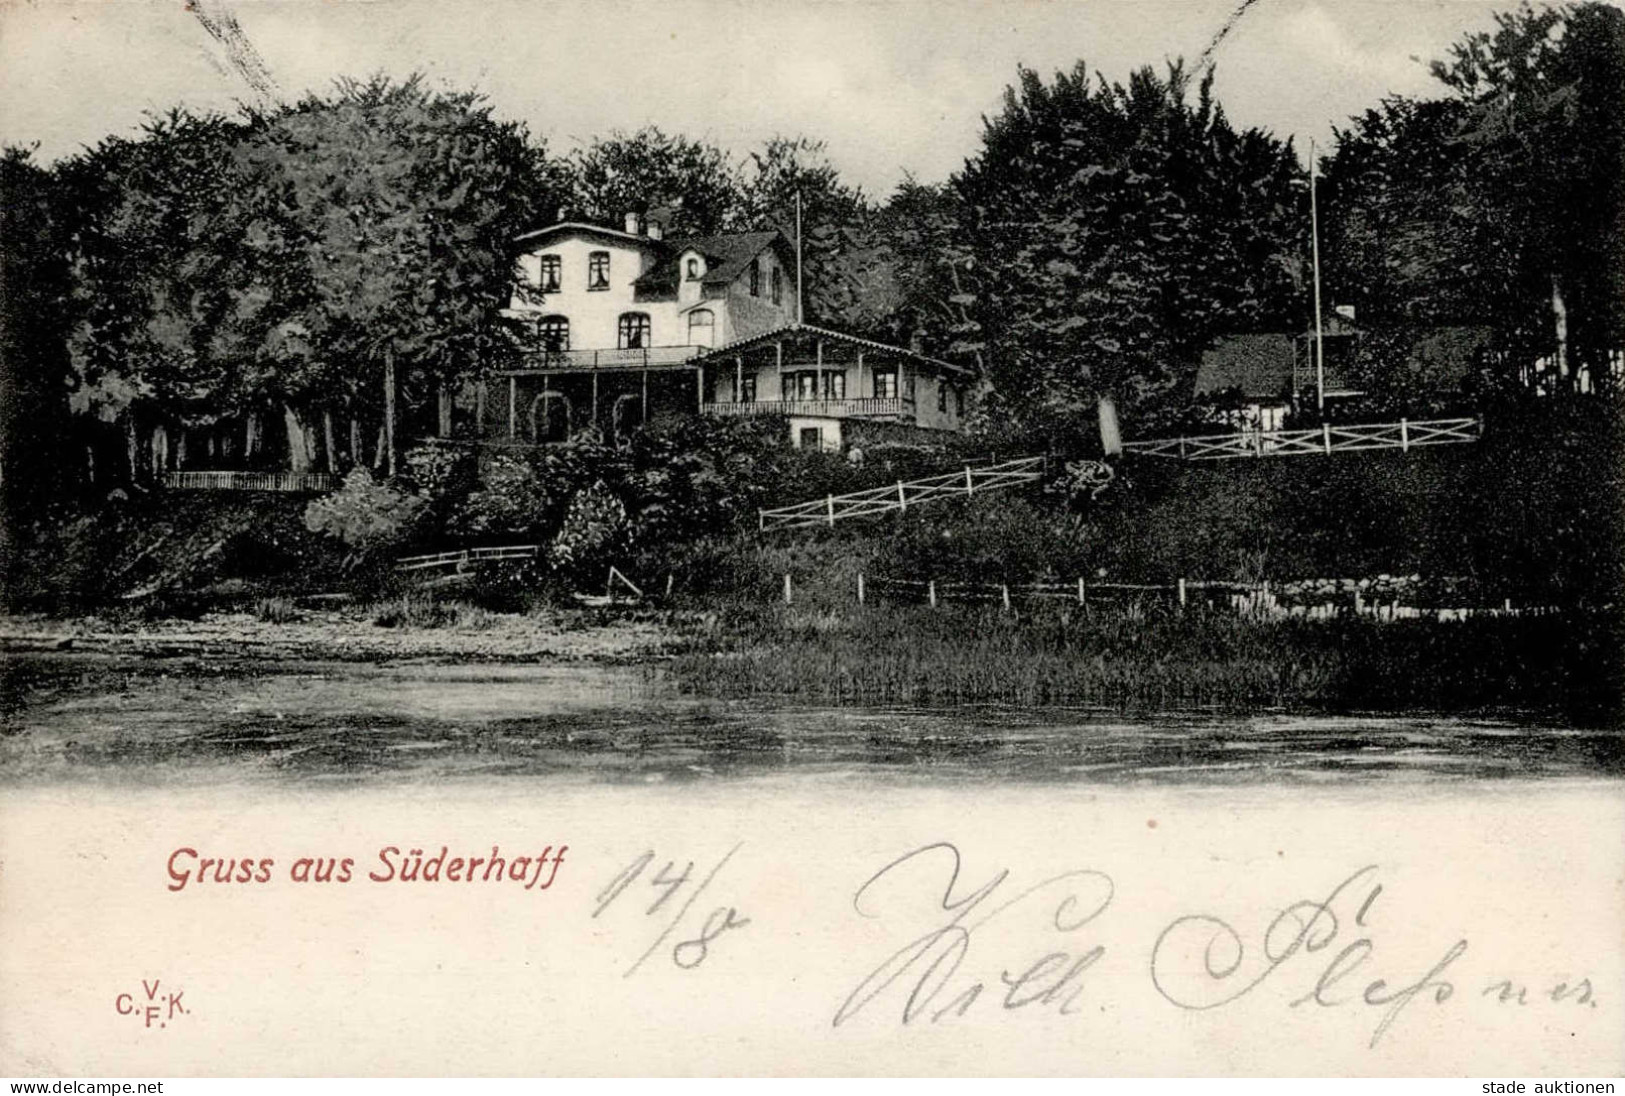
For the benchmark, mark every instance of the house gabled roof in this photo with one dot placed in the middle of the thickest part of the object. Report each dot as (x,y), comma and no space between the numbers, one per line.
(739,346)
(1260,366)
(726,257)
(595,230)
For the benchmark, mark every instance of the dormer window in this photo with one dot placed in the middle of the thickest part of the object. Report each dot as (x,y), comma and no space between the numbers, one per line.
(778,286)
(691,270)
(598,270)
(756,277)
(548,270)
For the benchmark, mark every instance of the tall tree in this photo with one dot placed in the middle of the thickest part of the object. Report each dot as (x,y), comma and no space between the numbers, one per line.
(934,271)
(698,184)
(294,261)
(1502,201)
(34,371)
(385,236)
(1545,115)
(154,236)
(846,273)
(1113,231)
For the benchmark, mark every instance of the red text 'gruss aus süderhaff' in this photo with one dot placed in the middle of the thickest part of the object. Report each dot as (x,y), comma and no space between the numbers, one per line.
(529,870)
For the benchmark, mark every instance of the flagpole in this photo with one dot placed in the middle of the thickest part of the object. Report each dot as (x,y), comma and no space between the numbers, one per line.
(1314,233)
(798,257)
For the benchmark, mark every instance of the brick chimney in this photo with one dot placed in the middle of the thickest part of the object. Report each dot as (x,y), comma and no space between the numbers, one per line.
(634,222)
(655,232)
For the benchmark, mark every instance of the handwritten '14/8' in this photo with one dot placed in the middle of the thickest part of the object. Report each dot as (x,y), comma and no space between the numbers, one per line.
(692,950)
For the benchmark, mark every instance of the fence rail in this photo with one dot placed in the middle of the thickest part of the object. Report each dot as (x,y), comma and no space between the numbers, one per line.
(903,494)
(1324,440)
(463,560)
(295,482)
(1303,598)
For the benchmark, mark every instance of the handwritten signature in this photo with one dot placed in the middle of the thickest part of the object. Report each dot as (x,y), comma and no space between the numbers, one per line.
(1305,927)
(1198,962)
(928,965)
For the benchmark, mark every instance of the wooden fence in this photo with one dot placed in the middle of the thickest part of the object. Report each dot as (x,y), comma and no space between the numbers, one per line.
(1323,440)
(903,494)
(1248,598)
(294,482)
(461,562)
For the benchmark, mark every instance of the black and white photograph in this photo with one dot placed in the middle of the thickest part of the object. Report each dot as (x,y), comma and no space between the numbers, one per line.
(869,538)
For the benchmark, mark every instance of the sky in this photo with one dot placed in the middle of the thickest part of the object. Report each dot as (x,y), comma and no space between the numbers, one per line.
(894,87)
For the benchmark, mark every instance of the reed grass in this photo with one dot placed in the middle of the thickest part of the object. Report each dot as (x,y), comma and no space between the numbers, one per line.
(904,655)
(275,610)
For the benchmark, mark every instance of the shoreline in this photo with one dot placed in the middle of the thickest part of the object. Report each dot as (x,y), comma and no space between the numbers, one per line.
(503,638)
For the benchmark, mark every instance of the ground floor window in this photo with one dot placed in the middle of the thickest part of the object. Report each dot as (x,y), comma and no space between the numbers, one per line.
(812,437)
(550,417)
(810,384)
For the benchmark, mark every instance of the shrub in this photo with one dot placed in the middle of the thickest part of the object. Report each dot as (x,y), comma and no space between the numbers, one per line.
(364,514)
(595,532)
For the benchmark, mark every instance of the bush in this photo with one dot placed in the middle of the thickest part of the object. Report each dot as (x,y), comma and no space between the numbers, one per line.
(595,532)
(363,514)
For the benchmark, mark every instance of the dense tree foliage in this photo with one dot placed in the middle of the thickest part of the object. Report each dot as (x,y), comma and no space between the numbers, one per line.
(287,261)
(1501,202)
(1112,231)
(34,286)
(696,185)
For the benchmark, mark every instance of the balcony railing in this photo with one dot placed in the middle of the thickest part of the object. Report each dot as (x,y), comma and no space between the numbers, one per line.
(836,409)
(646,357)
(295,482)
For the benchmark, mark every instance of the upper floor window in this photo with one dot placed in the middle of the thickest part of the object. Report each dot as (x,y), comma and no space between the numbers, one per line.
(554,332)
(701,324)
(885,384)
(942,396)
(691,270)
(634,330)
(835,386)
(747,389)
(548,271)
(959,402)
(778,286)
(756,277)
(598,270)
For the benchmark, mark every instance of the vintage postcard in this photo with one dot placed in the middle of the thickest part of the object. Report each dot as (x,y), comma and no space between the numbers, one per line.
(834,538)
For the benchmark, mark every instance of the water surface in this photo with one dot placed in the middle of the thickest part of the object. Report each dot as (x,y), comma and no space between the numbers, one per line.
(109,718)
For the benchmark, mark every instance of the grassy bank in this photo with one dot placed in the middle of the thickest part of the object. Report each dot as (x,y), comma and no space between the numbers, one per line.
(1559,665)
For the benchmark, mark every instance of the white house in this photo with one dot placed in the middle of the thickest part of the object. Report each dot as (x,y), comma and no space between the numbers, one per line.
(626,323)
